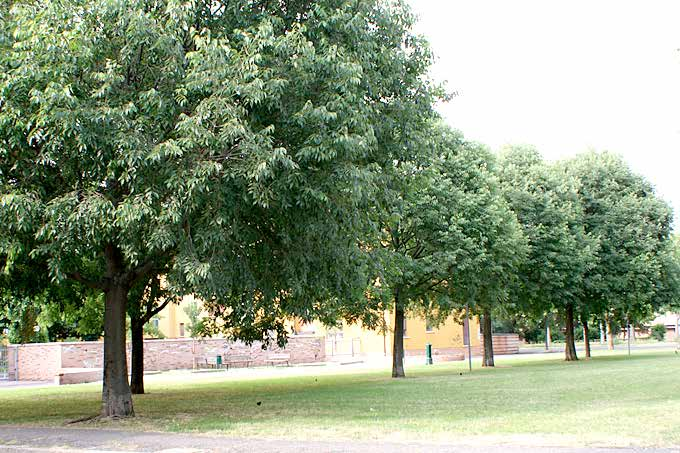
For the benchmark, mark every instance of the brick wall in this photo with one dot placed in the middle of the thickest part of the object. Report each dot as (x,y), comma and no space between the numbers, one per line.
(41,362)
(37,362)
(88,354)
(506,343)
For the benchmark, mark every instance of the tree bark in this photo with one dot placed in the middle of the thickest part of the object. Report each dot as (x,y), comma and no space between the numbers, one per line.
(398,349)
(137,376)
(547,333)
(570,347)
(487,333)
(116,395)
(610,334)
(586,334)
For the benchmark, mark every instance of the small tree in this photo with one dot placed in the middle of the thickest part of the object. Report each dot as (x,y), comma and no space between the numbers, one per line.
(196,325)
(658,332)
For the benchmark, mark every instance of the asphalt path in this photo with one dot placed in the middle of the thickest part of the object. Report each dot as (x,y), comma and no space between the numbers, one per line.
(77,440)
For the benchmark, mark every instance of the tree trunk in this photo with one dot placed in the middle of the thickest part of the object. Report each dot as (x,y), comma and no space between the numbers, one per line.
(586,334)
(398,349)
(610,334)
(570,348)
(137,376)
(547,333)
(602,334)
(487,333)
(116,395)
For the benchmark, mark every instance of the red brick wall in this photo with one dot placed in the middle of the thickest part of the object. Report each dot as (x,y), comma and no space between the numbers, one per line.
(38,362)
(506,343)
(41,362)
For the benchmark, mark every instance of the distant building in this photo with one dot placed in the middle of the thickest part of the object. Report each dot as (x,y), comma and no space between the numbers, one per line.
(448,339)
(173,321)
(354,339)
(672,323)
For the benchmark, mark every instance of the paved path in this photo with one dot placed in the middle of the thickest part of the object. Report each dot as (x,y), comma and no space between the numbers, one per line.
(90,440)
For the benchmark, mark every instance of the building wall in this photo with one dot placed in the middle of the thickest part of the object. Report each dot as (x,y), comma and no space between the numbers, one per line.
(36,362)
(173,317)
(357,339)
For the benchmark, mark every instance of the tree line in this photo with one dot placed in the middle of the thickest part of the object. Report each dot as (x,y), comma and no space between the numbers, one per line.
(284,160)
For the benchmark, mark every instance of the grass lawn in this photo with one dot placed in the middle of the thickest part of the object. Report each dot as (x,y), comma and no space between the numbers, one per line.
(610,400)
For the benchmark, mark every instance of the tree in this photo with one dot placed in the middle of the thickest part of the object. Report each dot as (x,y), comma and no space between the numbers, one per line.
(633,227)
(195,326)
(561,252)
(415,244)
(442,220)
(229,143)
(667,288)
(487,282)
(145,300)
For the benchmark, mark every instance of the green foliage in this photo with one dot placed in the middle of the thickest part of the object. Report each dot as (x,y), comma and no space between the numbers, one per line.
(545,199)
(491,274)
(231,148)
(195,326)
(658,332)
(151,330)
(636,271)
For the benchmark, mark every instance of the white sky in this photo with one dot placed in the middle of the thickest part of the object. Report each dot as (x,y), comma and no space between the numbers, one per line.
(565,76)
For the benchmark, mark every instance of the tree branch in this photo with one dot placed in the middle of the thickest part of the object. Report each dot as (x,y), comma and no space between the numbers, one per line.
(151,313)
(133,276)
(100,285)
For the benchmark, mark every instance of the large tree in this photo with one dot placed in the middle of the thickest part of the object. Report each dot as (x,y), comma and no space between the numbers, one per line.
(633,226)
(230,140)
(442,222)
(562,253)
(491,276)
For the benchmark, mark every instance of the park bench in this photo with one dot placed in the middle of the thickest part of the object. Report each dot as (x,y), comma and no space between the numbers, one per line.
(205,362)
(234,359)
(278,359)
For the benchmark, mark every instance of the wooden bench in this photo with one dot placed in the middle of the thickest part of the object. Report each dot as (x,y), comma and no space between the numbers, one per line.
(279,359)
(234,359)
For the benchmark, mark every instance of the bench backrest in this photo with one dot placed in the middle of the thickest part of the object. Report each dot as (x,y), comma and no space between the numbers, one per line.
(237,357)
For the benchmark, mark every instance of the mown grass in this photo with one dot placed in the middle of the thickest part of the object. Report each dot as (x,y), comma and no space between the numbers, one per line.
(610,400)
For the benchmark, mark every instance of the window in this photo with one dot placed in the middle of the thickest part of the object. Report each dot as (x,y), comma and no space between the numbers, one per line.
(155,322)
(405,331)
(181,329)
(428,326)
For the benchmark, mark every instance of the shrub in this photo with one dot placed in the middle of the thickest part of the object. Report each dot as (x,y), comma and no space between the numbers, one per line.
(658,332)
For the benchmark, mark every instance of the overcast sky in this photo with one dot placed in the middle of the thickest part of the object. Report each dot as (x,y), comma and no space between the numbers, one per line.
(565,76)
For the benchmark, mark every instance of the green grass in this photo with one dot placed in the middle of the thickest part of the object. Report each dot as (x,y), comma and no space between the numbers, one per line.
(610,400)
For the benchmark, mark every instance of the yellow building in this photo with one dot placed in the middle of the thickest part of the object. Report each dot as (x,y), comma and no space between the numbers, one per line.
(351,339)
(173,321)
(354,339)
